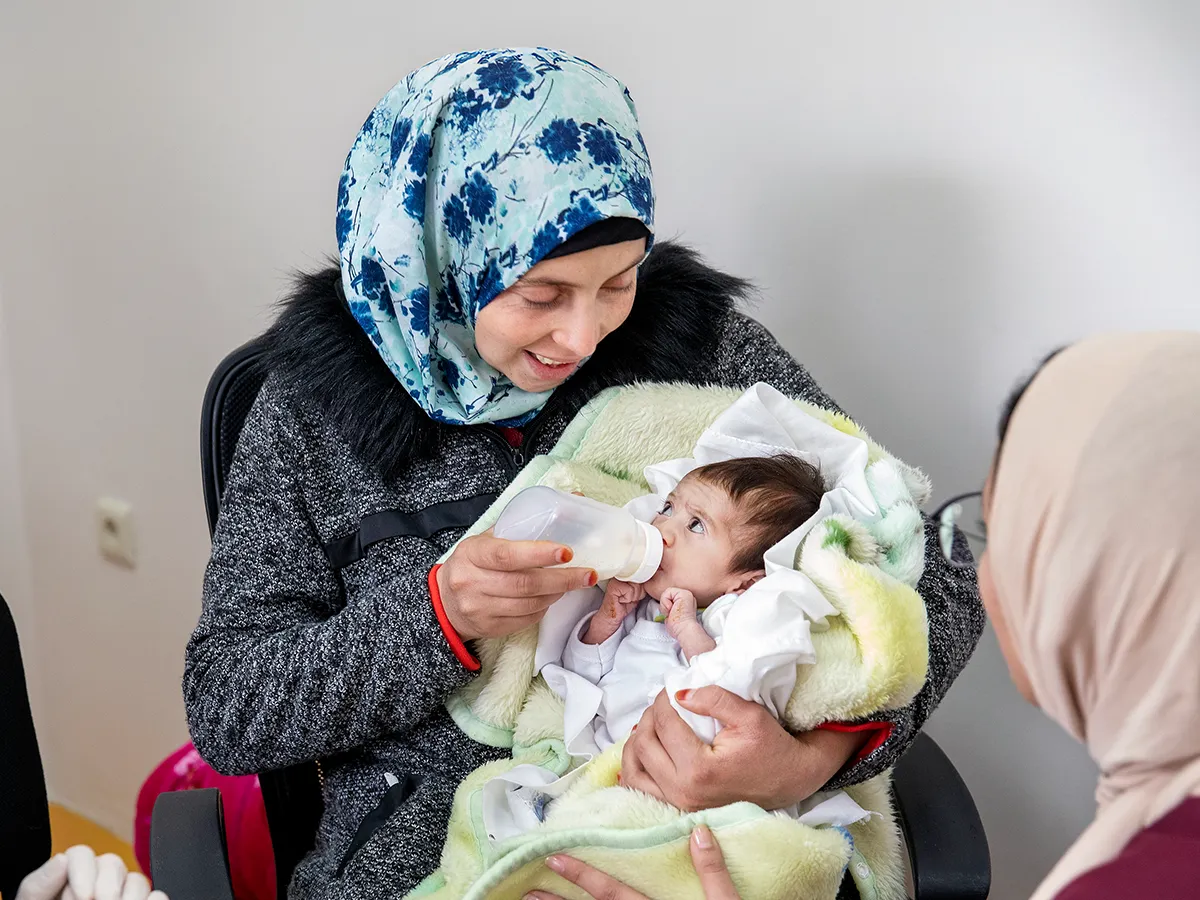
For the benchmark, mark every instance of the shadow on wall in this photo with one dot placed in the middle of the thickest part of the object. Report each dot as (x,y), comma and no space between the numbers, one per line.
(890,292)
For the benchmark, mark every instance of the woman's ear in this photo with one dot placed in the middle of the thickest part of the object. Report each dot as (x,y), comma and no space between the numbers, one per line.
(743,581)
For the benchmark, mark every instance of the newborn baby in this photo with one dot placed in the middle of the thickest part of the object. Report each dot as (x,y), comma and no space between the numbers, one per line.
(716,526)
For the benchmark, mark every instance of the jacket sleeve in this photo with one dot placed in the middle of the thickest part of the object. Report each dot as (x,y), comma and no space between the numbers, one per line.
(748,353)
(283,667)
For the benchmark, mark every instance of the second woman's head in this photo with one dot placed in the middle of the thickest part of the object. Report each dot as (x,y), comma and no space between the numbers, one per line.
(491,218)
(1090,574)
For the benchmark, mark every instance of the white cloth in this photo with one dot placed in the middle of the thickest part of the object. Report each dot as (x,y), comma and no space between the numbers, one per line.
(624,674)
(761,636)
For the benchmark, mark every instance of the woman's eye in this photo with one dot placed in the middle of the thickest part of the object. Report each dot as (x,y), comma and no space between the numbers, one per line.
(696,526)
(540,299)
(618,288)
(537,294)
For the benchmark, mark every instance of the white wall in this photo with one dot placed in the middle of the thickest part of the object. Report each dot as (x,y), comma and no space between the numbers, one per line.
(16,582)
(930,194)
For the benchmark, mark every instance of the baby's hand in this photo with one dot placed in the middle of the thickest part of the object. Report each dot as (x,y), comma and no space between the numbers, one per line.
(620,599)
(679,605)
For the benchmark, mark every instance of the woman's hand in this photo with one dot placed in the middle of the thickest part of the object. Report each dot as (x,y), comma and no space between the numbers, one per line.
(492,587)
(752,758)
(79,875)
(706,857)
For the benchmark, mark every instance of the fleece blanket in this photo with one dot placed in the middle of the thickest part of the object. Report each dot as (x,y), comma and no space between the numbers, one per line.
(863,560)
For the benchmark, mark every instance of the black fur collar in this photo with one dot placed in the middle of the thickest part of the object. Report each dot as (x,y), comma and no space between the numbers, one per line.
(318,349)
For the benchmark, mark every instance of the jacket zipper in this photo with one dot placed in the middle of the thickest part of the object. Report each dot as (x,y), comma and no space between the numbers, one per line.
(513,456)
(516,456)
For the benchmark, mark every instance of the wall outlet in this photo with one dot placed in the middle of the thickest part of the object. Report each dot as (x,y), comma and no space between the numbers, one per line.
(114,531)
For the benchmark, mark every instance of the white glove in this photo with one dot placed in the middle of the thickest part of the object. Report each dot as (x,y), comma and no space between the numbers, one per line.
(79,875)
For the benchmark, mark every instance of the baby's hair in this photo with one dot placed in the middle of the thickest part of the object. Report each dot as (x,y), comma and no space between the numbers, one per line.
(775,494)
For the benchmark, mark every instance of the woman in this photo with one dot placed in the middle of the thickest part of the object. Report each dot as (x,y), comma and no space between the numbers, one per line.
(1090,578)
(494,219)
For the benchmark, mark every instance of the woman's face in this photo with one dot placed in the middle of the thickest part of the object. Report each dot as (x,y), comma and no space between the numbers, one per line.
(991,602)
(544,327)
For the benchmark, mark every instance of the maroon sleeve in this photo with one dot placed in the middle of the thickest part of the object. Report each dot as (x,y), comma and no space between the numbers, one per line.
(1161,862)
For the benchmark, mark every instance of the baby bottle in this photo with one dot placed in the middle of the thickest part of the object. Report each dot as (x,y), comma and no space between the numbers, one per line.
(602,537)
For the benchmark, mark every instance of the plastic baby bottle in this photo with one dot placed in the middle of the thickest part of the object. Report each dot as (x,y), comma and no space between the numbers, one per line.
(602,537)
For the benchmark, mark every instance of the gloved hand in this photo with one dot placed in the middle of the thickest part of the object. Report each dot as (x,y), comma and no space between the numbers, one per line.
(79,875)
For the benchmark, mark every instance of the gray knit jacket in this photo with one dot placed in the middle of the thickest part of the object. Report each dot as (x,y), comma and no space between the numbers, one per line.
(305,651)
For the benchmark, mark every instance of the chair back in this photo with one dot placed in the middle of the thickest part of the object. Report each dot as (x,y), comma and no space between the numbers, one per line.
(24,810)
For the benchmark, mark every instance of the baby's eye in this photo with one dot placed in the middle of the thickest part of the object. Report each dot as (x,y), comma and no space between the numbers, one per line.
(666,510)
(696,526)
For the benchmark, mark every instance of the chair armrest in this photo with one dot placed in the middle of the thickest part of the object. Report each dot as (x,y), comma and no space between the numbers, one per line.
(947,846)
(188,856)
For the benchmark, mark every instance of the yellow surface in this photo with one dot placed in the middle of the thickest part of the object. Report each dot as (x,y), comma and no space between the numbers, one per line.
(69,828)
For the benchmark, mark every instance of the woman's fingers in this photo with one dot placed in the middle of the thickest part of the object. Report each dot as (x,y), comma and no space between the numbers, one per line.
(654,758)
(595,882)
(499,555)
(531,583)
(675,735)
(647,767)
(136,887)
(633,773)
(81,872)
(46,883)
(710,866)
(110,877)
(726,707)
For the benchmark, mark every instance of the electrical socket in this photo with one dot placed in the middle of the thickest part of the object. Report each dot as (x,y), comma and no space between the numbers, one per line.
(114,531)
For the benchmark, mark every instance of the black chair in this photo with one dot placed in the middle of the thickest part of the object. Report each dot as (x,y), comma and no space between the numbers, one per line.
(24,809)
(947,847)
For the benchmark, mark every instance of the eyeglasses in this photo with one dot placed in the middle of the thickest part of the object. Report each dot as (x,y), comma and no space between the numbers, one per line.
(962,514)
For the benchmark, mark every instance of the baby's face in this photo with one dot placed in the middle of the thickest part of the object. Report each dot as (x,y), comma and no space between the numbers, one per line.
(699,525)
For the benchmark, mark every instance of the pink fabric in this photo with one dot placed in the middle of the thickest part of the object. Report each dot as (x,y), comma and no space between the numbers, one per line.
(251,859)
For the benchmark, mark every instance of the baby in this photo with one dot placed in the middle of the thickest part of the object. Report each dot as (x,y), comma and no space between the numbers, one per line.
(716,525)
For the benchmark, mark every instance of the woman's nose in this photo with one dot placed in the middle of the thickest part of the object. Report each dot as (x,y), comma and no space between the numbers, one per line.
(580,332)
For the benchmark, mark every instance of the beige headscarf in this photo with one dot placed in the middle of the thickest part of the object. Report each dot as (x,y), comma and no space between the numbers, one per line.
(1094,543)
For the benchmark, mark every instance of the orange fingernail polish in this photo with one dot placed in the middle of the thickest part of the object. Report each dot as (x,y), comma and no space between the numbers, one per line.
(681,696)
(565,555)
(593,579)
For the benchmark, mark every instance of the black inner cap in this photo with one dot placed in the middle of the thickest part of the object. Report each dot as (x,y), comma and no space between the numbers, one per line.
(601,234)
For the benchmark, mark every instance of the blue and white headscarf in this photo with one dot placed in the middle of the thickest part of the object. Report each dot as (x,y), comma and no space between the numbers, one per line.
(466,175)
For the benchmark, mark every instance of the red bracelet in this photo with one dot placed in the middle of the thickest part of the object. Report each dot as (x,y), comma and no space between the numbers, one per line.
(457,646)
(879,733)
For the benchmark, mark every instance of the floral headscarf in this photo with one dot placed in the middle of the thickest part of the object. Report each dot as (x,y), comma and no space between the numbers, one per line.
(468,173)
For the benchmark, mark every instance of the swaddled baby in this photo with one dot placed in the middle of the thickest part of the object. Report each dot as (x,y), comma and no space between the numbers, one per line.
(716,526)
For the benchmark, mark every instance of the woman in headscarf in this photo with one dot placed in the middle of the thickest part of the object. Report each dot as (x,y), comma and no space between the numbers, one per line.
(495,222)
(1092,580)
